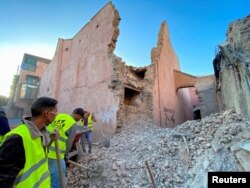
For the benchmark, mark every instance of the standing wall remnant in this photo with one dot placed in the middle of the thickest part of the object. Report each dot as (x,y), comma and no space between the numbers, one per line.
(208,101)
(234,82)
(170,107)
(81,70)
(85,72)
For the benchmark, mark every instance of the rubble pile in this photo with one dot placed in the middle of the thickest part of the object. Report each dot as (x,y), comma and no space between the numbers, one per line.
(179,157)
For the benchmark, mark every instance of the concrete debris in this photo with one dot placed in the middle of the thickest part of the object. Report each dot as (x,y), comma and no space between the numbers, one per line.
(178,157)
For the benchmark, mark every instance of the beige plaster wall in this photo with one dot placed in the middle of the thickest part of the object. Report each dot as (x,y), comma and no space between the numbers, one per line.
(235,67)
(207,95)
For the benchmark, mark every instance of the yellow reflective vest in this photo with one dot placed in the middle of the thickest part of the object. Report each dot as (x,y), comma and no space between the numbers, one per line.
(90,122)
(62,122)
(35,172)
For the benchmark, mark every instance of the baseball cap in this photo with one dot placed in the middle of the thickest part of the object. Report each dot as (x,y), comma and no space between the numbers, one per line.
(79,111)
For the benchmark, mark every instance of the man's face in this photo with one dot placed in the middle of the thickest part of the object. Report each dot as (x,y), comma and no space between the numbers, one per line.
(76,117)
(50,115)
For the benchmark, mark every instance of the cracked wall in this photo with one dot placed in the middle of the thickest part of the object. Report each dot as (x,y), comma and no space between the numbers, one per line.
(208,101)
(133,86)
(234,83)
(81,70)
(85,72)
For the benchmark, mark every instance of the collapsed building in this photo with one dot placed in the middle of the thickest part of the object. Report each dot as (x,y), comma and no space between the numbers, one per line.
(143,155)
(85,72)
(234,77)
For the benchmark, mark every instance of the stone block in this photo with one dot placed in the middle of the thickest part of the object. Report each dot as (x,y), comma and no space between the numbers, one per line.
(244,157)
(216,146)
(245,135)
(235,148)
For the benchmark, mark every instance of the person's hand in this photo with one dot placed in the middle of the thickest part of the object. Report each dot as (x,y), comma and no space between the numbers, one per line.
(54,135)
(66,159)
(93,117)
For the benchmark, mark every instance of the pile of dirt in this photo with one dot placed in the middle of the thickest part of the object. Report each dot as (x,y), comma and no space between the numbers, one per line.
(178,157)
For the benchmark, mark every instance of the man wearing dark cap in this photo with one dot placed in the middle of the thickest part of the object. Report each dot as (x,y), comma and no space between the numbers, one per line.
(85,122)
(67,126)
(78,114)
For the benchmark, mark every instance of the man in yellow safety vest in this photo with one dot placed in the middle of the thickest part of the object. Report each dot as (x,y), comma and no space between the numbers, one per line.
(23,160)
(67,127)
(88,122)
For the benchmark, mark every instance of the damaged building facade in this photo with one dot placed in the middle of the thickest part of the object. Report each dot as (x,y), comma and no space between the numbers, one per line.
(234,77)
(85,72)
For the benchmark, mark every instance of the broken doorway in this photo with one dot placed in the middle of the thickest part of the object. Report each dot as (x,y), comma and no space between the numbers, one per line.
(131,96)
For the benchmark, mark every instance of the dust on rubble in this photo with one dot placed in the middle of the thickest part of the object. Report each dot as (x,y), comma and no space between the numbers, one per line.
(178,157)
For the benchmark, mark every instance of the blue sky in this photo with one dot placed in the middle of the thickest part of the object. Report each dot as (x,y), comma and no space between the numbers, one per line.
(195,26)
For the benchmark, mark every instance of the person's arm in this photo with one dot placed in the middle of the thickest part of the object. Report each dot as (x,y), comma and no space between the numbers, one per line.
(93,117)
(12,160)
(71,136)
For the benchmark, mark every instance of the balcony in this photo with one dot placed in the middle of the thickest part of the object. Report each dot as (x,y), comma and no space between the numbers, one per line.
(25,94)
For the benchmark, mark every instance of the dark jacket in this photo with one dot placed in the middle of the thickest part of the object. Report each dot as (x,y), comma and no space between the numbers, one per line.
(4,124)
(12,160)
(12,155)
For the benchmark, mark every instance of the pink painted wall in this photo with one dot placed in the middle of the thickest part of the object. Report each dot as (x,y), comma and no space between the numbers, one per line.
(49,80)
(186,99)
(169,108)
(81,69)
(164,87)
(194,96)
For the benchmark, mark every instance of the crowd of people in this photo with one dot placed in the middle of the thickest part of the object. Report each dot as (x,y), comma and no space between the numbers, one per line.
(29,153)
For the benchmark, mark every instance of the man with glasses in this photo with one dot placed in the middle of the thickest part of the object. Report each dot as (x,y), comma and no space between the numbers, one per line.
(23,158)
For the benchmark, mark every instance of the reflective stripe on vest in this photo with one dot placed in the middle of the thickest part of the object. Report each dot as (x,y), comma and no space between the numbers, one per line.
(62,122)
(35,172)
(90,122)
(80,122)
(1,139)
